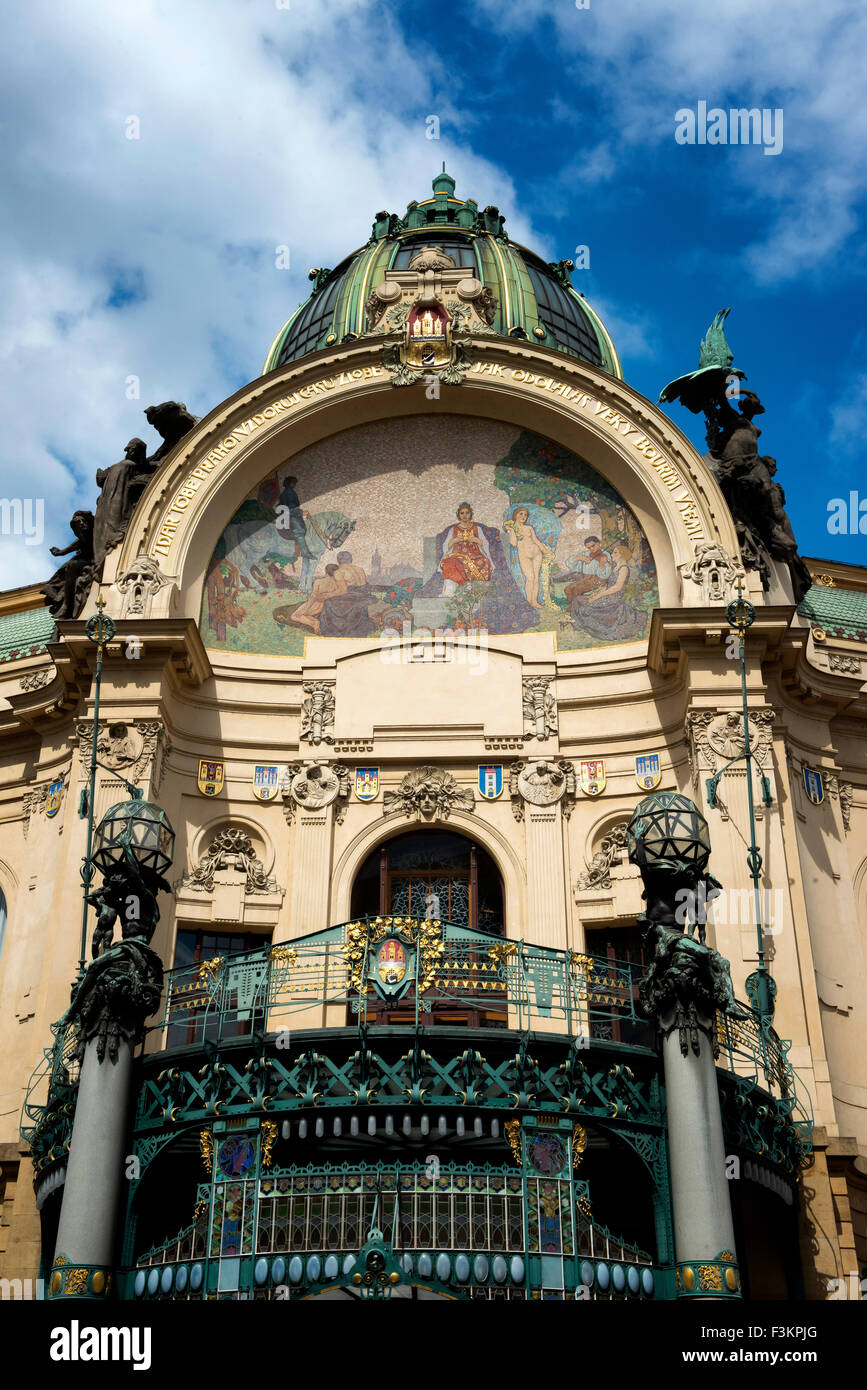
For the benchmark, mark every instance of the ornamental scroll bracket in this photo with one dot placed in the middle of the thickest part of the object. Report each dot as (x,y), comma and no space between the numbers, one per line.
(612,853)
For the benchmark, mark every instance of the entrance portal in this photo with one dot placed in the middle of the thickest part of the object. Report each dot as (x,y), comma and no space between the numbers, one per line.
(432,873)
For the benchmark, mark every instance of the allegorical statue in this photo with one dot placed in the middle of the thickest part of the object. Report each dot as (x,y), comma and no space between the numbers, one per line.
(121,487)
(745,476)
(128,892)
(172,420)
(123,983)
(67,588)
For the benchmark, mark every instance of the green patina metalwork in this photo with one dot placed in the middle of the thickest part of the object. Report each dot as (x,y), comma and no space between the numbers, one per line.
(839,612)
(463,1230)
(516,985)
(501,264)
(232,1082)
(569,1040)
(26,633)
(49,1105)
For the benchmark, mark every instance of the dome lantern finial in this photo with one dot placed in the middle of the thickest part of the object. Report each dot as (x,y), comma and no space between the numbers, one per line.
(444,183)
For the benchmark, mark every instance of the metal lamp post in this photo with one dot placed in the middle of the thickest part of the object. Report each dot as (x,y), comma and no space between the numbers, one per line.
(685,985)
(132,848)
(760,986)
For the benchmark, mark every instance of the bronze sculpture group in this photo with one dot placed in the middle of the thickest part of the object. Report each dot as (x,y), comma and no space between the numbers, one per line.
(746,477)
(121,487)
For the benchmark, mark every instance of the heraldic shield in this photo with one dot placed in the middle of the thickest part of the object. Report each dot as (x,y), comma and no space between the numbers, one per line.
(265,781)
(366,783)
(491,781)
(394,967)
(211,777)
(592,776)
(647,771)
(53,797)
(814,786)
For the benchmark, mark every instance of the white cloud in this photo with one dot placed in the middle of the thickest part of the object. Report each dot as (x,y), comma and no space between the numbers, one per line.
(646,61)
(849,414)
(259,127)
(631,333)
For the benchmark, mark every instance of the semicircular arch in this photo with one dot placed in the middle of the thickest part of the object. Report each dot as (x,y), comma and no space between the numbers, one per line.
(501,850)
(628,442)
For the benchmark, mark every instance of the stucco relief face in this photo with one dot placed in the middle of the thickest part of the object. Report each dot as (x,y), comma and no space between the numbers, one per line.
(456,523)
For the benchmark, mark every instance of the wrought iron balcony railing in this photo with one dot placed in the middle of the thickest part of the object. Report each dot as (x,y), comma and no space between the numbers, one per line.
(399,970)
(402,973)
(447,974)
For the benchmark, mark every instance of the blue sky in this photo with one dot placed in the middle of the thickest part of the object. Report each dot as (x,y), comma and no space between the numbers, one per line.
(262,126)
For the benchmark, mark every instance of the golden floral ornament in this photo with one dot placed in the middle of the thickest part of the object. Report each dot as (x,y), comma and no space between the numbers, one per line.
(579,1144)
(425,935)
(709,1277)
(269,1136)
(206,1144)
(285,956)
(513,1135)
(76,1282)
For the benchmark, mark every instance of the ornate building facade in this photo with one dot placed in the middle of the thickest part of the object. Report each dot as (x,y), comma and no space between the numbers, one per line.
(400,635)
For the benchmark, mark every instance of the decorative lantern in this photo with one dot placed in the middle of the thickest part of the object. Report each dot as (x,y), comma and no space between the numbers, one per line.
(668,839)
(137,827)
(667,832)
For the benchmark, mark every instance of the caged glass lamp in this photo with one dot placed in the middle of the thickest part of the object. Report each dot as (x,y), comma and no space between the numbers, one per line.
(667,829)
(669,841)
(138,828)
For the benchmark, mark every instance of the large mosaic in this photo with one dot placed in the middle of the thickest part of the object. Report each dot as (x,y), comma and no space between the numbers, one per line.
(436,523)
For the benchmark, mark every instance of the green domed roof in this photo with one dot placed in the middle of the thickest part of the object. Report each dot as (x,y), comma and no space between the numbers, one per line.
(534,298)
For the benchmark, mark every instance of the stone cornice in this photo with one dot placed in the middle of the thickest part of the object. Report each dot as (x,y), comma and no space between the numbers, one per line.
(675,632)
(167,642)
(20,600)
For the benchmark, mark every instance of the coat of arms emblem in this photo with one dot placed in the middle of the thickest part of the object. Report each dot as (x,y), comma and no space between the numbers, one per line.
(53,797)
(647,771)
(491,781)
(814,786)
(265,781)
(593,777)
(367,783)
(392,969)
(211,777)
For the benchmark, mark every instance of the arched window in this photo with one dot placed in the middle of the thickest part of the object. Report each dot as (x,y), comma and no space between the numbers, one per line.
(432,873)
(2,921)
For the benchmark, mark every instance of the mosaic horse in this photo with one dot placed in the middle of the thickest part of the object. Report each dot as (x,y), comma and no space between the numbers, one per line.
(249,541)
